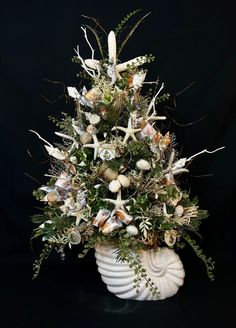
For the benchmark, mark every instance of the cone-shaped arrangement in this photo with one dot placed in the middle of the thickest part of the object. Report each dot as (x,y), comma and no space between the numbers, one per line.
(114,173)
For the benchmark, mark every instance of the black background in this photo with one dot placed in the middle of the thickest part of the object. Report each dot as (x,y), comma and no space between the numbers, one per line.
(192,41)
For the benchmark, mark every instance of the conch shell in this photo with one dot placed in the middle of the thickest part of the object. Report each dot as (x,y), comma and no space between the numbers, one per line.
(162,265)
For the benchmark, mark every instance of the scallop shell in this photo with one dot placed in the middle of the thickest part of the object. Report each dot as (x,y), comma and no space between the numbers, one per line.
(162,265)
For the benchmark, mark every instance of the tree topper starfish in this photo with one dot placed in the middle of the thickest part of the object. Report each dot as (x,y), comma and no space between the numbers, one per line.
(96,145)
(129,131)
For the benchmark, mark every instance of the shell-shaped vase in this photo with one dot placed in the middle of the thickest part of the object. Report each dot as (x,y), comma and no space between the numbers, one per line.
(162,265)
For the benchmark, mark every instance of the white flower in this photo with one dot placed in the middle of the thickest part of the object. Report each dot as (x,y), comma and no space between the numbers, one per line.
(144,165)
(114,186)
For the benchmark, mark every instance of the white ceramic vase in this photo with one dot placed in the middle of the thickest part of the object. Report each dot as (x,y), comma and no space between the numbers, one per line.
(162,265)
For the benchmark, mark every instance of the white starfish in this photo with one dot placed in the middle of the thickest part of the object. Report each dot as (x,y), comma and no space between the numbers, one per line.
(118,202)
(129,131)
(96,145)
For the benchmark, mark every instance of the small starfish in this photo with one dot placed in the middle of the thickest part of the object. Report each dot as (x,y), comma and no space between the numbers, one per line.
(129,131)
(118,202)
(96,145)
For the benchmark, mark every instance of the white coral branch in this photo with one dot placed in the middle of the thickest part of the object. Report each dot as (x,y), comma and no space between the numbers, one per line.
(87,40)
(89,71)
(204,151)
(152,103)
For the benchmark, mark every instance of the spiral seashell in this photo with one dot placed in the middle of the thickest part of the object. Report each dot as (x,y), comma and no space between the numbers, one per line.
(162,265)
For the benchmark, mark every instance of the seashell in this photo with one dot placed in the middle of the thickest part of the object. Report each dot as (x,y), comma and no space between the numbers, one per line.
(72,169)
(124,180)
(168,179)
(170,237)
(74,236)
(91,129)
(114,186)
(56,153)
(179,211)
(132,230)
(147,131)
(112,47)
(73,159)
(110,174)
(85,138)
(107,152)
(73,92)
(137,81)
(92,63)
(63,181)
(144,165)
(101,217)
(94,119)
(162,141)
(123,216)
(110,225)
(162,265)
(52,196)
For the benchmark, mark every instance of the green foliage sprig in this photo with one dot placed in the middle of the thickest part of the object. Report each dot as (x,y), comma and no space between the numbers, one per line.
(128,252)
(209,263)
(131,33)
(122,23)
(48,247)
